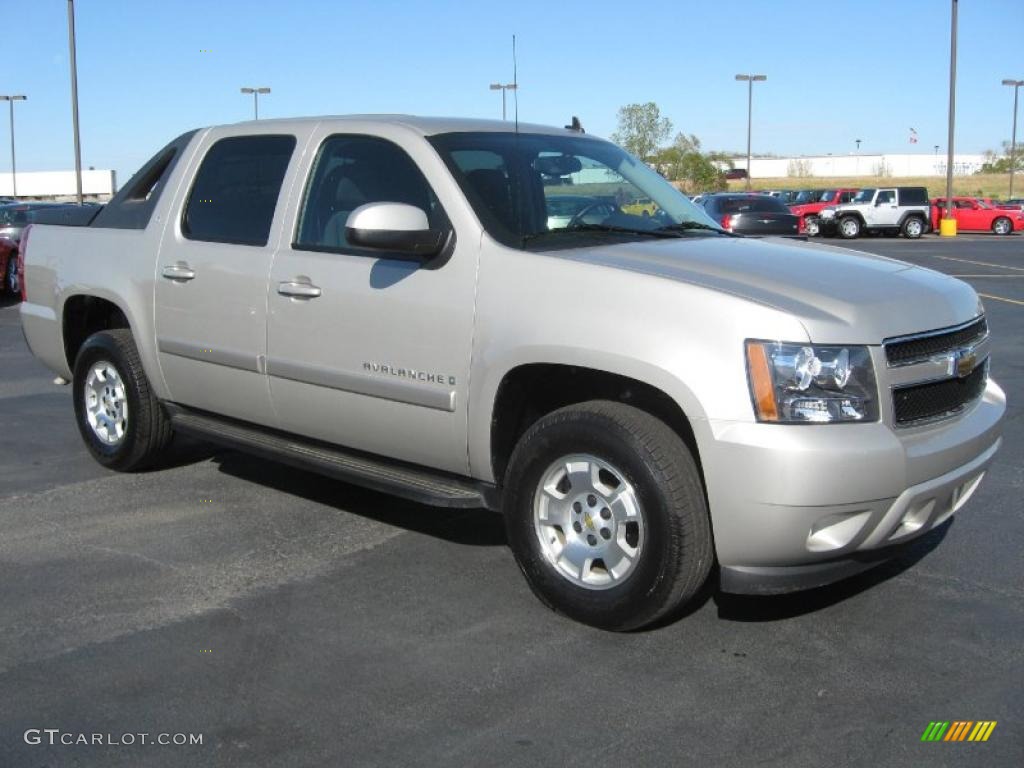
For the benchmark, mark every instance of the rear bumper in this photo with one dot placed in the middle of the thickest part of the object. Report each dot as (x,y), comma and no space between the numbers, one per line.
(819,504)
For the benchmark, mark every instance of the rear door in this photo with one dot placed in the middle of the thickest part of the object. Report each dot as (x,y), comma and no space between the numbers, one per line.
(211,275)
(366,349)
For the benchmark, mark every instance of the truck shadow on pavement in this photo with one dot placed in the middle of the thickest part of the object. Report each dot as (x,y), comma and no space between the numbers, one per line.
(484,528)
(474,527)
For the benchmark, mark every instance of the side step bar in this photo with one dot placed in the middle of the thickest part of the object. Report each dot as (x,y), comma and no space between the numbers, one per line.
(419,484)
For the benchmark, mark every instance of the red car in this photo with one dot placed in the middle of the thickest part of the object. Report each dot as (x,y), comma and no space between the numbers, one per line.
(808,212)
(9,266)
(974,215)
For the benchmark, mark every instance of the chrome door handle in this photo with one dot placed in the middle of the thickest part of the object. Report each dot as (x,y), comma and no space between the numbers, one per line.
(298,290)
(180,272)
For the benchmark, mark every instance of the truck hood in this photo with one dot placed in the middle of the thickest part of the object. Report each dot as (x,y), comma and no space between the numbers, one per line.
(840,296)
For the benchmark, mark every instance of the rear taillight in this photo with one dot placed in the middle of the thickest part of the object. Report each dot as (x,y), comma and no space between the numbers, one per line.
(727,222)
(22,248)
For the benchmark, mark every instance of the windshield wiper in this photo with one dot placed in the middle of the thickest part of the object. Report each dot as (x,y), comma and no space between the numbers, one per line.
(692,225)
(660,232)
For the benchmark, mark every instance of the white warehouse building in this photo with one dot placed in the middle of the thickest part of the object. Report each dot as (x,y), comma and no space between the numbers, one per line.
(59,184)
(895,165)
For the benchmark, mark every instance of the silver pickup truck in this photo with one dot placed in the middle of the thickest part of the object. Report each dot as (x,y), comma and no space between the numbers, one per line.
(471,315)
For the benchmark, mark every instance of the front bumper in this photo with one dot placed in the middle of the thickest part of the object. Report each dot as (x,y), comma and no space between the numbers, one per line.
(800,506)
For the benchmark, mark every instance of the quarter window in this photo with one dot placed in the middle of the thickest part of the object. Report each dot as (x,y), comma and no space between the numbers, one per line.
(236,190)
(351,171)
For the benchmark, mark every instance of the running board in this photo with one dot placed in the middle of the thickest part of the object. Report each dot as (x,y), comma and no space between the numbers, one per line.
(419,484)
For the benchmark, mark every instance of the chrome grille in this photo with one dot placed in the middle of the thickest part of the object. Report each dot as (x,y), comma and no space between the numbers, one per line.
(936,374)
(921,346)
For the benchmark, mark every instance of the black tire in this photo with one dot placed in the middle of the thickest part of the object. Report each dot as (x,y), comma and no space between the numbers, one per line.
(676,554)
(11,281)
(147,428)
(1002,226)
(913,227)
(849,227)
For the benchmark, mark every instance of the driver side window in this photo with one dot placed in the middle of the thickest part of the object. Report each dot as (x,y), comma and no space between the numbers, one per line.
(351,171)
(885,197)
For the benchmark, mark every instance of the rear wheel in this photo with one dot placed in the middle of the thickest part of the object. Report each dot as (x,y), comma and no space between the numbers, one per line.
(849,227)
(1002,226)
(811,226)
(122,423)
(913,227)
(605,514)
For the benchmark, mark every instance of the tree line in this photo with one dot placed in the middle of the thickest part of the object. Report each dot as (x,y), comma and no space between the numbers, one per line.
(642,131)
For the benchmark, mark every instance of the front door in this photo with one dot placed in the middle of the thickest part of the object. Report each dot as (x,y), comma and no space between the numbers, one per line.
(365,349)
(211,278)
(884,213)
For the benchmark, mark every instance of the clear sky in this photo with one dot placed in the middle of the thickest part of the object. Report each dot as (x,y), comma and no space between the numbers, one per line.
(837,71)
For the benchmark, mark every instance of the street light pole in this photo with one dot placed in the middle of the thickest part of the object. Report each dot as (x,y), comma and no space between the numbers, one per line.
(503,89)
(1013,138)
(952,115)
(750,80)
(13,167)
(255,99)
(74,100)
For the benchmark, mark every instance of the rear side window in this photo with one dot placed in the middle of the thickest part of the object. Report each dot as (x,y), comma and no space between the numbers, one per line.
(913,196)
(236,189)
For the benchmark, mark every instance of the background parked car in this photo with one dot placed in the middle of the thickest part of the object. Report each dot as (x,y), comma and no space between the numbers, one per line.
(16,216)
(9,266)
(808,212)
(752,214)
(974,215)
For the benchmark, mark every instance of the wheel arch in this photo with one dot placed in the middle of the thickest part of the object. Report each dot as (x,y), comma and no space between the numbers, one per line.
(84,314)
(530,390)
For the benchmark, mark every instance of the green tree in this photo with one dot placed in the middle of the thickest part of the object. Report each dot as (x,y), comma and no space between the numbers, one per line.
(684,163)
(641,129)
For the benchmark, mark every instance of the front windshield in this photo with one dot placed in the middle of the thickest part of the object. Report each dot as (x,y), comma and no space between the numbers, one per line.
(983,204)
(543,191)
(826,196)
(864,196)
(805,196)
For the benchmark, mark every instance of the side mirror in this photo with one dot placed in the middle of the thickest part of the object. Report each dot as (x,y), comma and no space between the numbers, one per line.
(395,227)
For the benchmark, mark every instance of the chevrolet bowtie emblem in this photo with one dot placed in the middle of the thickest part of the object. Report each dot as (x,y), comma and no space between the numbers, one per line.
(963,362)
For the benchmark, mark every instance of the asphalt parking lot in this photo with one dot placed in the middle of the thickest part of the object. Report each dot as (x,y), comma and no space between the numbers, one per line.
(294,621)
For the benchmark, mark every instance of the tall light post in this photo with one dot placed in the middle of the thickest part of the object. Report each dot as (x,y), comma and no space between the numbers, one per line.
(74,100)
(857,142)
(750,80)
(13,167)
(1013,138)
(503,88)
(947,227)
(255,99)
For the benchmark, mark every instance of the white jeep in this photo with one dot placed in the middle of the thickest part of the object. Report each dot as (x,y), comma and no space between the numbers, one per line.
(893,210)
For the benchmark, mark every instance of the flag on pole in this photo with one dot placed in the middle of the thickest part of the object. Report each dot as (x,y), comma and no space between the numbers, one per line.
(913,136)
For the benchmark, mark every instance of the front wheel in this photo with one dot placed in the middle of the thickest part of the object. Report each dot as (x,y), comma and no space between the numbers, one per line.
(913,228)
(606,517)
(849,227)
(812,227)
(121,421)
(1002,226)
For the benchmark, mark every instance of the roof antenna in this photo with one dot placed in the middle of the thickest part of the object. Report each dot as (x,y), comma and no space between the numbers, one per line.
(575,125)
(515,83)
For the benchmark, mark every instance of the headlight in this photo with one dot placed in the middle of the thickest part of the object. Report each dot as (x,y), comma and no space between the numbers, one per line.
(804,383)
(827,213)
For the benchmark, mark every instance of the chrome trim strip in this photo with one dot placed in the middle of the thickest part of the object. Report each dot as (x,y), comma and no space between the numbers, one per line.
(929,334)
(935,368)
(384,389)
(227,357)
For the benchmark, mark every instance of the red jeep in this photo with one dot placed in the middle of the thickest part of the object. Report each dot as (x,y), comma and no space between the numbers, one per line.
(808,212)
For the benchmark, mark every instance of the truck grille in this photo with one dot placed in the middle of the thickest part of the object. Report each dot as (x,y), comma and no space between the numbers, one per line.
(925,345)
(939,398)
